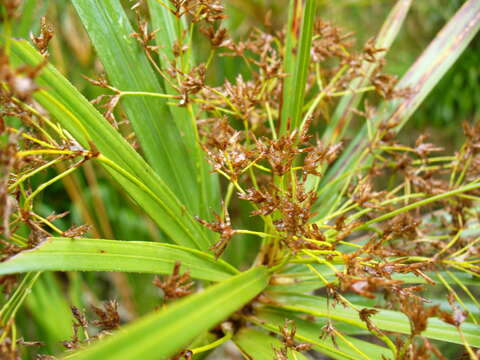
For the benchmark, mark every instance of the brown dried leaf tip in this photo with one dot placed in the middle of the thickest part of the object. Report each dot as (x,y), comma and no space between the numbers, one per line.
(175,286)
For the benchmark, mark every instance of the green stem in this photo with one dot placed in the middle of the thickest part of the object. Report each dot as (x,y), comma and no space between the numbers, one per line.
(214,344)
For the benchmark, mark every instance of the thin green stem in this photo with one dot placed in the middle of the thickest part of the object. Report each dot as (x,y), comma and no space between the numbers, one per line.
(214,344)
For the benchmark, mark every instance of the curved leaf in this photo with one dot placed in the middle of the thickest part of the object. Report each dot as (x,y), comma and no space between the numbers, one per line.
(67,254)
(163,334)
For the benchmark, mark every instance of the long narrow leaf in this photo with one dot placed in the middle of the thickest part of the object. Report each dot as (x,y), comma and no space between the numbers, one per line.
(128,69)
(296,63)
(66,254)
(10,308)
(291,40)
(51,310)
(168,27)
(161,335)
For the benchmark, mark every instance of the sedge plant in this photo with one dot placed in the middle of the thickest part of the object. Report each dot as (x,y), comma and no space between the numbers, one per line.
(347,243)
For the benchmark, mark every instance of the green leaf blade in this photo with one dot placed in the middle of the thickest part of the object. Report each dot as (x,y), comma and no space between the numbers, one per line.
(51,310)
(128,69)
(296,63)
(67,254)
(167,27)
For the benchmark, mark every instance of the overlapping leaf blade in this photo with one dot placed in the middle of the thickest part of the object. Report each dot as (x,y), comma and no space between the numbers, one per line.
(66,254)
(297,57)
(168,28)
(51,310)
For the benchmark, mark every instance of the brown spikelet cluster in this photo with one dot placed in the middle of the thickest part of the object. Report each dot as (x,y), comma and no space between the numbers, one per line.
(108,320)
(20,81)
(12,8)
(41,41)
(175,285)
(9,350)
(287,333)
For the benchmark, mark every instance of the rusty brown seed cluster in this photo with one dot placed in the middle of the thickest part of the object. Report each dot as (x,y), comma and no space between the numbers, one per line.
(287,333)
(108,320)
(175,285)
